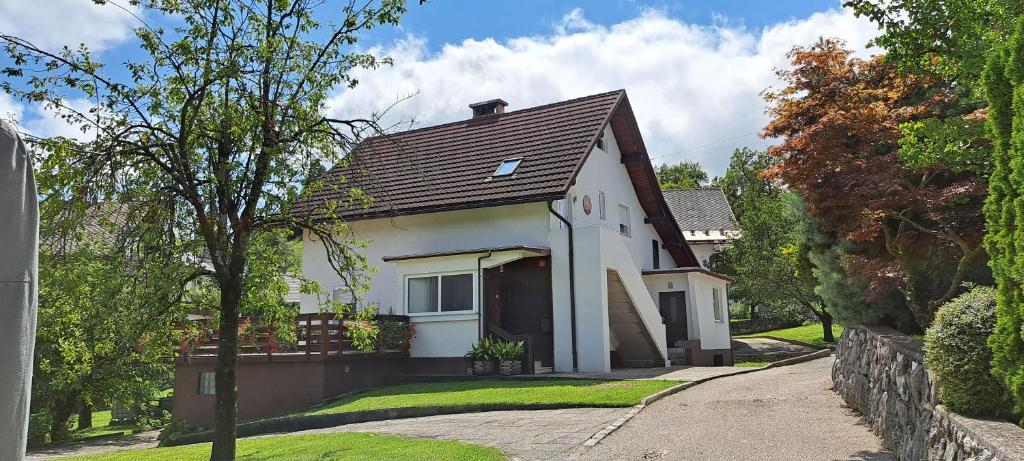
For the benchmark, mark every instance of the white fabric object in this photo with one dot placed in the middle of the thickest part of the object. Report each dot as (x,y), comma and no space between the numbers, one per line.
(19,245)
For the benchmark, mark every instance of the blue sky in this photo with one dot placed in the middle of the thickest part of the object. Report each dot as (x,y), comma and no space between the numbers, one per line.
(452,21)
(693,70)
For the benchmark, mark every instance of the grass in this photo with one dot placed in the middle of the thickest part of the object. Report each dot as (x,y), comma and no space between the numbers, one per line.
(335,446)
(750,364)
(567,392)
(810,334)
(100,426)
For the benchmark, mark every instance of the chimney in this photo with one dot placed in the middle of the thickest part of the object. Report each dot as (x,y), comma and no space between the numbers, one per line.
(494,106)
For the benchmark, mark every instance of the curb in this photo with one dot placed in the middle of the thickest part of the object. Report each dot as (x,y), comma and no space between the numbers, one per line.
(600,435)
(307,422)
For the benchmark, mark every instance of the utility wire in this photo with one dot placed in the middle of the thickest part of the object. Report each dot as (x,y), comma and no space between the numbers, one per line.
(705,146)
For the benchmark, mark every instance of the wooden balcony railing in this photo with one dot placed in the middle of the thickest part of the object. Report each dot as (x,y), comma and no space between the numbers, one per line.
(316,337)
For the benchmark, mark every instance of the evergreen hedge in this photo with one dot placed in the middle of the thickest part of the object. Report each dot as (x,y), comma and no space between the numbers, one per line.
(1003,81)
(959,359)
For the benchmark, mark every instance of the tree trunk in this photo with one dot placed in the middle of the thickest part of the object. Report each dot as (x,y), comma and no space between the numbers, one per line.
(62,409)
(826,326)
(84,415)
(225,426)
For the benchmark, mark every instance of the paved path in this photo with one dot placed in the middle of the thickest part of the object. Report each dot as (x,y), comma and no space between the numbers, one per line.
(674,373)
(143,440)
(766,349)
(785,413)
(522,435)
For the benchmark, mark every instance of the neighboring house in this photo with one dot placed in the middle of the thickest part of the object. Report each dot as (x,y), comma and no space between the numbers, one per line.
(705,218)
(544,223)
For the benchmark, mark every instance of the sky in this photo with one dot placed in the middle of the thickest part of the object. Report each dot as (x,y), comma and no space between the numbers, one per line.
(693,70)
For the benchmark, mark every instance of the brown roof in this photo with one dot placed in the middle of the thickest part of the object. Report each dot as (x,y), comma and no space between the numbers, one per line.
(449,167)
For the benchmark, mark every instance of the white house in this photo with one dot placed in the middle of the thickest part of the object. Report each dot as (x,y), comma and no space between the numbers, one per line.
(544,223)
(705,217)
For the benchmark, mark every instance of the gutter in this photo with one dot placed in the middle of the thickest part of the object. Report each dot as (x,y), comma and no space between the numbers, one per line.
(482,329)
(572,279)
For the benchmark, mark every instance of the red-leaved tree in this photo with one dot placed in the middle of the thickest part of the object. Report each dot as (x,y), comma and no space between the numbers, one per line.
(917,227)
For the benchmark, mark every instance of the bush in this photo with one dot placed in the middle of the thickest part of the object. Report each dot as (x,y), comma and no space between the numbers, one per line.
(959,359)
(38,429)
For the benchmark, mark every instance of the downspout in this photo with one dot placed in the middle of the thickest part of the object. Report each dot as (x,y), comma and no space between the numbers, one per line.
(482,315)
(572,279)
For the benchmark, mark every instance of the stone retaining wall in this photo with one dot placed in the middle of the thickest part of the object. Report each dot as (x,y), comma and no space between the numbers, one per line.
(880,373)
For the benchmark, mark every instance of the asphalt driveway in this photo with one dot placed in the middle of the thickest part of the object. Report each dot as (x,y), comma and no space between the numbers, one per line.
(785,413)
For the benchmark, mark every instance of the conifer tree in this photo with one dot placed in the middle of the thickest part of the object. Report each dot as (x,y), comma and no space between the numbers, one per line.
(1003,81)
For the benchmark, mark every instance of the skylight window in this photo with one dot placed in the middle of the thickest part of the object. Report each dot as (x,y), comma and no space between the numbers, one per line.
(507,167)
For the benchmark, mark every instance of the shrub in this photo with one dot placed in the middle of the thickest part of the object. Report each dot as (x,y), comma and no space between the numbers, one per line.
(509,350)
(38,429)
(485,350)
(959,359)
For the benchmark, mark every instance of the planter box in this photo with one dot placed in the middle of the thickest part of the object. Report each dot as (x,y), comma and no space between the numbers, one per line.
(511,367)
(483,367)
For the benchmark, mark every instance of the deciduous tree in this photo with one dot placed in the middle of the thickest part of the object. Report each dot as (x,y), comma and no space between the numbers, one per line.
(222,119)
(683,175)
(839,118)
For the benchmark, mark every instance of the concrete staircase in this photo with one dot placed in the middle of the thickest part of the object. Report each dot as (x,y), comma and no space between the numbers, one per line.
(636,348)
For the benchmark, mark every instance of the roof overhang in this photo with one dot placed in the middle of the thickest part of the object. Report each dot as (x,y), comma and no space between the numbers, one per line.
(641,173)
(683,270)
(499,255)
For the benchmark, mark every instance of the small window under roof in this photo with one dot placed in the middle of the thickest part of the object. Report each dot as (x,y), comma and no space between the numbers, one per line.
(507,167)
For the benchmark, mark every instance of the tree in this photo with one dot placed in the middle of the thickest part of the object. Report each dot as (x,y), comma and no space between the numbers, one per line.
(1004,209)
(840,124)
(948,39)
(768,261)
(684,175)
(107,315)
(221,121)
(743,181)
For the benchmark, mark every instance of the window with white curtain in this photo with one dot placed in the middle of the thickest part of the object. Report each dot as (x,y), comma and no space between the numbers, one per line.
(716,299)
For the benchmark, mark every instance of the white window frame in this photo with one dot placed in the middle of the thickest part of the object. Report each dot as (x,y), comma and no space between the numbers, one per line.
(602,205)
(438,275)
(629,221)
(716,304)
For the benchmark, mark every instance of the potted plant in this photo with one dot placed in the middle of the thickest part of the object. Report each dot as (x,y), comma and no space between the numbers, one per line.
(510,356)
(484,356)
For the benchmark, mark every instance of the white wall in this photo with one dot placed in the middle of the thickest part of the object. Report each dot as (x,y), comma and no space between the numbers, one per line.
(447,335)
(604,171)
(599,249)
(703,252)
(713,334)
(700,308)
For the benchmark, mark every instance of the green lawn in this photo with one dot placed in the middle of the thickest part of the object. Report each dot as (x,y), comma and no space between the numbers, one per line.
(336,446)
(100,426)
(750,364)
(568,392)
(811,334)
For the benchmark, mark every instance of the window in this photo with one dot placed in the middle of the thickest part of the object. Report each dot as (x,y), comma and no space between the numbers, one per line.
(207,384)
(600,140)
(342,295)
(601,206)
(716,299)
(507,168)
(624,220)
(655,251)
(440,293)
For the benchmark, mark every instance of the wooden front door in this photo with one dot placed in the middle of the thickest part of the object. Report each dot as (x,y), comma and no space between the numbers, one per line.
(519,301)
(673,312)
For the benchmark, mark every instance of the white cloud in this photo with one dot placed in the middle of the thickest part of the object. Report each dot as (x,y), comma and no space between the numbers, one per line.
(10,110)
(52,24)
(47,123)
(695,89)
